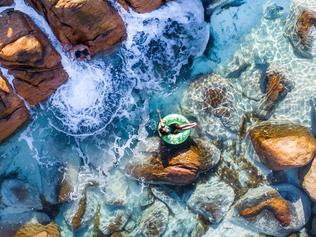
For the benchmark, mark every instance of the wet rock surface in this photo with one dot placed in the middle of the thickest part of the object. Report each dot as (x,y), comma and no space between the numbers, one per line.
(29,57)
(155,162)
(142,6)
(154,220)
(277,87)
(6,2)
(301,28)
(309,180)
(92,24)
(276,212)
(214,103)
(212,199)
(13,113)
(283,146)
(37,230)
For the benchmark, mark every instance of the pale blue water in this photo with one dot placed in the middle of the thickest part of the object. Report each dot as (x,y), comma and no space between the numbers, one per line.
(92,124)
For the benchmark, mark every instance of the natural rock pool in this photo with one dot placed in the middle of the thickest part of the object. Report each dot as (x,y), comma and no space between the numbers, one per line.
(85,158)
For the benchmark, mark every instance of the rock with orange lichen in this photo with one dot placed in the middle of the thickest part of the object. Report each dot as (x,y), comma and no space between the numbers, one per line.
(282,145)
(277,211)
(28,55)
(38,230)
(13,113)
(155,162)
(301,29)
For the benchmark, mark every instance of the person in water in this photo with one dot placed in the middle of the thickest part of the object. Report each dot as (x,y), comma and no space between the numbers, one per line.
(173,128)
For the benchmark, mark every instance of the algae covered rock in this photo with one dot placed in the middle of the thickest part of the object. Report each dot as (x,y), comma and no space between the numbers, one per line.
(283,146)
(212,199)
(214,103)
(300,28)
(154,220)
(154,162)
(277,211)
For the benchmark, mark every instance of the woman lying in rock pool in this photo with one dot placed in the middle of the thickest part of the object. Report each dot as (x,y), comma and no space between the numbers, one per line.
(173,128)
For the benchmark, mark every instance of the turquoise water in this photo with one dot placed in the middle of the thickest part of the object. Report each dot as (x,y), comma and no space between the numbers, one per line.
(89,128)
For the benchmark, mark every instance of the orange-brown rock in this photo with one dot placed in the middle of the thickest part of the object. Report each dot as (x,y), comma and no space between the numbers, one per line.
(92,23)
(38,230)
(283,146)
(309,180)
(305,22)
(276,90)
(278,206)
(30,57)
(13,113)
(177,166)
(142,6)
(76,220)
(6,2)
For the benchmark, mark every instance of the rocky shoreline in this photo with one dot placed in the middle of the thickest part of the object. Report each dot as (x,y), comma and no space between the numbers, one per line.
(244,172)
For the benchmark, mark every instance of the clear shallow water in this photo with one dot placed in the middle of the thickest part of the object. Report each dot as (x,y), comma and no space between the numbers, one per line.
(92,124)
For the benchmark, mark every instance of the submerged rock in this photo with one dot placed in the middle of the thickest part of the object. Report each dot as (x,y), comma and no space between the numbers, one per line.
(283,146)
(154,220)
(155,162)
(300,28)
(37,230)
(79,24)
(10,223)
(277,87)
(309,180)
(6,3)
(276,211)
(29,57)
(142,6)
(13,113)
(19,196)
(213,101)
(212,199)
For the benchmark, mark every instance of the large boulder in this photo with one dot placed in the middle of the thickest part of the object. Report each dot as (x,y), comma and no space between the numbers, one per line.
(277,211)
(283,146)
(142,6)
(94,24)
(309,180)
(155,162)
(6,3)
(212,199)
(154,220)
(13,113)
(38,230)
(30,57)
